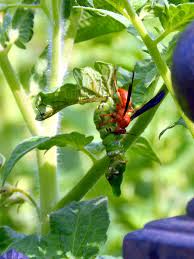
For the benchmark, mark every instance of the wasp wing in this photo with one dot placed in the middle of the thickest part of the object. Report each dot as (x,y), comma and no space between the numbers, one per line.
(150,104)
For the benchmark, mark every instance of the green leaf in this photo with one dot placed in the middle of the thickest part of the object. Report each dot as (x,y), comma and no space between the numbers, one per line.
(8,236)
(81,226)
(180,122)
(145,74)
(23,21)
(92,83)
(4,29)
(38,79)
(92,86)
(47,104)
(96,148)
(144,148)
(175,17)
(74,140)
(91,26)
(2,160)
(105,13)
(29,245)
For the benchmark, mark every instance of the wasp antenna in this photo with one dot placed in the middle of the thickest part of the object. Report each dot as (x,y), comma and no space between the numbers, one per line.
(129,93)
(115,78)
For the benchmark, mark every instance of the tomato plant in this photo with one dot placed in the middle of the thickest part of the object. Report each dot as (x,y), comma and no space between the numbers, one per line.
(67,226)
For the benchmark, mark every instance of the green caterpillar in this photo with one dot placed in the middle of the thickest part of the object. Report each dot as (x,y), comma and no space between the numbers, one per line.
(112,142)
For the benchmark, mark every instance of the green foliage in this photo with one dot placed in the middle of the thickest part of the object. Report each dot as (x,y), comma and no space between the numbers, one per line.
(175,17)
(73,140)
(75,229)
(8,236)
(82,223)
(79,229)
(23,21)
(144,148)
(2,160)
(92,85)
(180,122)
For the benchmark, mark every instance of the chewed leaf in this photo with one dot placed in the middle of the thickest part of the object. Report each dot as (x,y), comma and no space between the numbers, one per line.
(90,82)
(179,122)
(93,85)
(83,225)
(143,147)
(23,21)
(175,17)
(47,104)
(73,140)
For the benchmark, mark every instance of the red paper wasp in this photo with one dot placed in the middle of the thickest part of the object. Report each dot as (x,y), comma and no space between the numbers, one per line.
(124,112)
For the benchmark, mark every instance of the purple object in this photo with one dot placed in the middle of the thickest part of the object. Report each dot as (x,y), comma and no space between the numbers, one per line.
(170,238)
(13,254)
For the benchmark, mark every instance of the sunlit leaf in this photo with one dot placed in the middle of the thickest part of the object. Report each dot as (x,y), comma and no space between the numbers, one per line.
(2,160)
(83,226)
(94,24)
(73,140)
(180,122)
(92,86)
(38,79)
(23,21)
(144,148)
(175,17)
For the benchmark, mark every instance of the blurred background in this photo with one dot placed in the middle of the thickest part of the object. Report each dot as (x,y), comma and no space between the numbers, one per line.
(149,190)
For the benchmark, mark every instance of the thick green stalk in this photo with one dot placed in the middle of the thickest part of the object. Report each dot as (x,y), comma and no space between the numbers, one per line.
(100,167)
(48,169)
(20,97)
(86,183)
(22,101)
(156,56)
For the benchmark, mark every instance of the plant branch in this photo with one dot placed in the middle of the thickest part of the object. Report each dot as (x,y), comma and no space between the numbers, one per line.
(20,97)
(161,37)
(156,56)
(30,198)
(19,5)
(85,151)
(86,183)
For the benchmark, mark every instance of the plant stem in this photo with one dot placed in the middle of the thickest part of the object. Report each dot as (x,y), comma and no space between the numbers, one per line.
(30,198)
(48,169)
(101,166)
(28,6)
(48,189)
(21,99)
(156,56)
(85,151)
(86,183)
(161,37)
